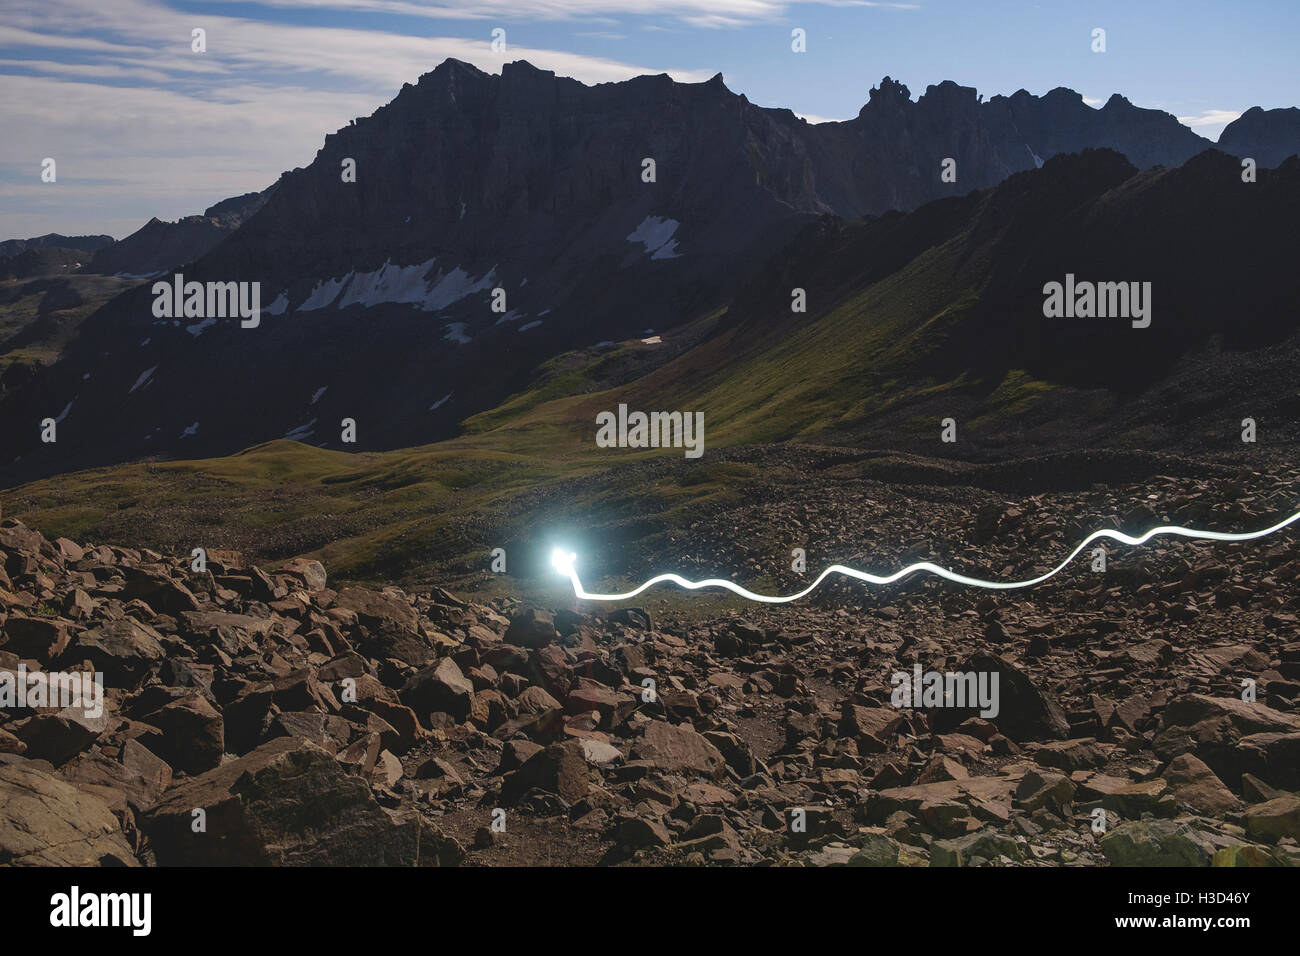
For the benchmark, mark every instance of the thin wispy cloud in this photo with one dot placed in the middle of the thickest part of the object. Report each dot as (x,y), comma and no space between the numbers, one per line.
(1218,118)
(694,12)
(1210,123)
(115,95)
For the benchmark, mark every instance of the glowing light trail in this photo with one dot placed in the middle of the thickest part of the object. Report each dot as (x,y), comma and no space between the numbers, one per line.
(564,562)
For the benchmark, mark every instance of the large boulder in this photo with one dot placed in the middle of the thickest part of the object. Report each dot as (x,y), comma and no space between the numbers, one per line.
(375,608)
(943,806)
(560,769)
(1274,819)
(439,688)
(987,844)
(310,573)
(1272,757)
(123,650)
(37,638)
(47,822)
(532,627)
(1024,711)
(288,803)
(1213,729)
(677,749)
(1156,843)
(61,736)
(154,586)
(391,639)
(139,776)
(1196,785)
(193,734)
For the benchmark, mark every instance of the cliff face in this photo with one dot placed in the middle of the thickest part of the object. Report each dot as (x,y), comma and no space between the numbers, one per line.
(494,222)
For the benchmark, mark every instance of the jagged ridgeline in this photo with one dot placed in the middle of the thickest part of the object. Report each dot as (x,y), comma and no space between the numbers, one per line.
(494,222)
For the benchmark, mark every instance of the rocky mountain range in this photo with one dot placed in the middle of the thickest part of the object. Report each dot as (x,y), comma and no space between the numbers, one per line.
(13,247)
(153,248)
(158,246)
(50,254)
(498,220)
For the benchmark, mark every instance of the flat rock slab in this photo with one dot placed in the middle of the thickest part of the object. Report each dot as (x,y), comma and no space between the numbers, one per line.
(46,822)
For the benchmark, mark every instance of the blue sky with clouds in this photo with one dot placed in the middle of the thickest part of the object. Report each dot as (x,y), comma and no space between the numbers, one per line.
(141,126)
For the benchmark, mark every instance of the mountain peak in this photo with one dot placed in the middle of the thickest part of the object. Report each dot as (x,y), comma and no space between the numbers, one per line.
(889,97)
(446,73)
(524,68)
(890,90)
(453,65)
(1063,94)
(950,94)
(1267,136)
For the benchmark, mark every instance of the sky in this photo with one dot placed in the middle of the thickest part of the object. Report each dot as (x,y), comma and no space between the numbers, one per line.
(140,125)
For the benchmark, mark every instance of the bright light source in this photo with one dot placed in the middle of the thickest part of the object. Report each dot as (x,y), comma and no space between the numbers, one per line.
(563,560)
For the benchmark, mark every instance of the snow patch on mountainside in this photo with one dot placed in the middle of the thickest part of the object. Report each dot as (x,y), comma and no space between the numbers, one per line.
(143,380)
(302,432)
(656,234)
(400,285)
(454,286)
(388,283)
(326,291)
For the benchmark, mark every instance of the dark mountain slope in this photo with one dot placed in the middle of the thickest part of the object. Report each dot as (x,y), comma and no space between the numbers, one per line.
(1268,136)
(953,323)
(377,295)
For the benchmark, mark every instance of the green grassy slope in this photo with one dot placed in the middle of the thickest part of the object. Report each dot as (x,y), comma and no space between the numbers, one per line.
(760,375)
(38,317)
